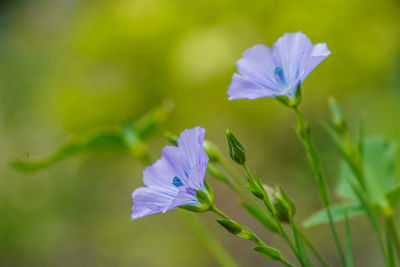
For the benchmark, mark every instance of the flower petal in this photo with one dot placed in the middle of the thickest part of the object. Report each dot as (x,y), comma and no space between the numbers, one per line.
(319,52)
(196,176)
(149,200)
(241,87)
(190,145)
(291,52)
(185,196)
(161,174)
(258,66)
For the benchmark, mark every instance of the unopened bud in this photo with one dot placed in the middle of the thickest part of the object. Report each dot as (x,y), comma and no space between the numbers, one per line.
(236,150)
(284,207)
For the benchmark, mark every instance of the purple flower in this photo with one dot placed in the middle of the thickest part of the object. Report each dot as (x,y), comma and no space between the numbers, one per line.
(266,72)
(173,180)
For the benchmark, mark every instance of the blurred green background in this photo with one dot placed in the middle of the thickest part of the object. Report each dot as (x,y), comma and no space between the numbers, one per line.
(69,67)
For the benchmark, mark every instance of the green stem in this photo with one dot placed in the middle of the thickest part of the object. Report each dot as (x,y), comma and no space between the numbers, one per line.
(242,193)
(254,238)
(281,230)
(395,235)
(389,243)
(369,210)
(315,164)
(354,158)
(206,238)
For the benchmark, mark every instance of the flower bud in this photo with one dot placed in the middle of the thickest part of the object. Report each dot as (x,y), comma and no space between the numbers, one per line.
(255,189)
(284,207)
(232,226)
(236,149)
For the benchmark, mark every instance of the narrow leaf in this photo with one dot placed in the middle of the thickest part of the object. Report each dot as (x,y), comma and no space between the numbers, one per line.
(337,210)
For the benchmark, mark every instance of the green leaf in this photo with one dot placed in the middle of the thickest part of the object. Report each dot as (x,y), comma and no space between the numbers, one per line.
(321,216)
(262,216)
(349,251)
(379,172)
(269,252)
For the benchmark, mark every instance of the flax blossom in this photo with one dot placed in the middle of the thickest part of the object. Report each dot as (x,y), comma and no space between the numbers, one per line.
(266,72)
(175,179)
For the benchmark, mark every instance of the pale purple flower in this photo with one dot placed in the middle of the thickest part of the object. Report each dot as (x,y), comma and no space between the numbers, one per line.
(173,180)
(266,72)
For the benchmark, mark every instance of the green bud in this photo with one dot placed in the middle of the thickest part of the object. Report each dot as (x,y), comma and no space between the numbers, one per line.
(337,116)
(236,150)
(269,252)
(255,189)
(232,226)
(284,206)
(212,151)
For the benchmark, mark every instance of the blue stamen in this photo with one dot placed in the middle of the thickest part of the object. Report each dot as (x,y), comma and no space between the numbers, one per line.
(177,182)
(279,72)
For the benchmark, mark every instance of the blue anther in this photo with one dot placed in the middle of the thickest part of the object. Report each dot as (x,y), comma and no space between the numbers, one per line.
(177,182)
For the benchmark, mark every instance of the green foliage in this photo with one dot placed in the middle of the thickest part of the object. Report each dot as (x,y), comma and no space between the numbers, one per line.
(379,174)
(338,214)
(128,136)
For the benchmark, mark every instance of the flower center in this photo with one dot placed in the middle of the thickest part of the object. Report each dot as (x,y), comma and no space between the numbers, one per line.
(279,72)
(177,182)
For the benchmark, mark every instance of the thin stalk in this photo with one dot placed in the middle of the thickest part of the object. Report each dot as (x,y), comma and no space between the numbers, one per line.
(395,236)
(255,238)
(363,197)
(373,219)
(315,164)
(282,231)
(389,243)
(244,194)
